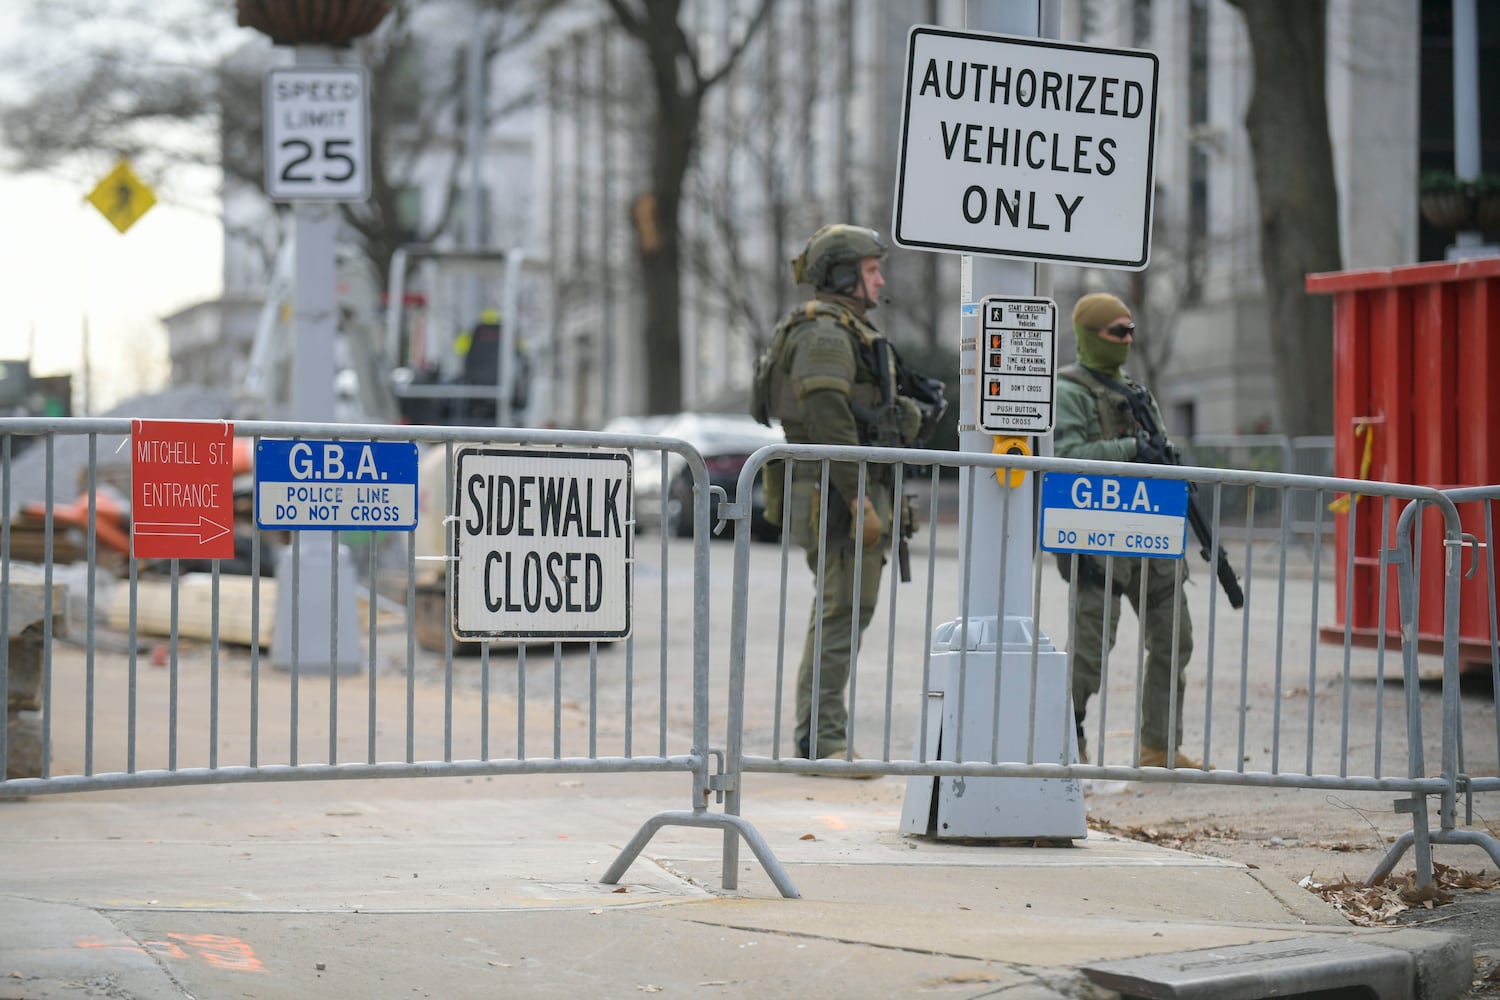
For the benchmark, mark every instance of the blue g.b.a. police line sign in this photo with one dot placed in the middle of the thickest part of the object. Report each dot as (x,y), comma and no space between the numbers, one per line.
(336,485)
(1114,515)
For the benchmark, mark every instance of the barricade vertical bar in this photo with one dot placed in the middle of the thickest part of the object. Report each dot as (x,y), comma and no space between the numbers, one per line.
(91,548)
(296,637)
(898,511)
(593,699)
(1178,597)
(1453,538)
(135,642)
(484,701)
(1213,624)
(994,754)
(1385,533)
(630,689)
(1285,541)
(333,650)
(855,611)
(1277,691)
(1249,564)
(5,453)
(661,676)
(372,596)
(968,478)
(557,700)
(255,580)
(521,701)
(1489,565)
(411,640)
(1317,576)
(786,548)
(47,609)
(449,472)
(1005,496)
(213,669)
(1140,652)
(813,752)
(172,676)
(932,507)
(739,615)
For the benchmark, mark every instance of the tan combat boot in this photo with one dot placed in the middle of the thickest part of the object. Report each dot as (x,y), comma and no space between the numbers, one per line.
(1157,757)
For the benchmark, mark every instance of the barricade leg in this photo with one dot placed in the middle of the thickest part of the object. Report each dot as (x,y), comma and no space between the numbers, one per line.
(720,821)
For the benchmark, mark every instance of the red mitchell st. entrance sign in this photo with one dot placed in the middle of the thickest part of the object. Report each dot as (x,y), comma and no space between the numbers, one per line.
(182,489)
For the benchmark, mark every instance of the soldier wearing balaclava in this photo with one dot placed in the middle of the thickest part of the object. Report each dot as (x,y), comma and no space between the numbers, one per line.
(1094,421)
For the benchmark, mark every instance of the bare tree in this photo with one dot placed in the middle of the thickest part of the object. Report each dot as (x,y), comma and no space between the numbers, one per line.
(168,89)
(1287,122)
(680,82)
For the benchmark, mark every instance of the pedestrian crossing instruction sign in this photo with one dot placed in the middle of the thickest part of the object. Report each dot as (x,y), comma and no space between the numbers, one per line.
(1017,365)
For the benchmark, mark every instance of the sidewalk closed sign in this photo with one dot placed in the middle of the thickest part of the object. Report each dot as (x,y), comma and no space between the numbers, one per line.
(541,540)
(181,489)
(1028,148)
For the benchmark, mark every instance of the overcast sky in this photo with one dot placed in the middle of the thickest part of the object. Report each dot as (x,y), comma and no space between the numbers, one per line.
(61,261)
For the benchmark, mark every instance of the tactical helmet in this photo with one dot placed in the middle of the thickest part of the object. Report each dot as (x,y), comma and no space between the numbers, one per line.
(830,261)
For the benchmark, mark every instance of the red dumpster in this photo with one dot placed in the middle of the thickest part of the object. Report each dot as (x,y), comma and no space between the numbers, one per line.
(1416,364)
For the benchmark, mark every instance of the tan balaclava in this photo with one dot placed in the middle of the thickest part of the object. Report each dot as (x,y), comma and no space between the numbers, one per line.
(1092,312)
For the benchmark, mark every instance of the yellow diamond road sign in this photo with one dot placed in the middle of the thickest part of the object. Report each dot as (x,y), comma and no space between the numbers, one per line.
(122,197)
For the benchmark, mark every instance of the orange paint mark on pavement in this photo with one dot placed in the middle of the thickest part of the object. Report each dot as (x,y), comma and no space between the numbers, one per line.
(218,950)
(221,951)
(833,822)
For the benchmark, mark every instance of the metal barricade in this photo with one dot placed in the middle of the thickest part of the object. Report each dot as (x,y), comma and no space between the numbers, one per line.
(1267,706)
(100,698)
(1461,754)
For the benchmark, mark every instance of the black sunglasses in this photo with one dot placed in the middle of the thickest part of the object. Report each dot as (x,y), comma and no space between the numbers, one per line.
(1119,330)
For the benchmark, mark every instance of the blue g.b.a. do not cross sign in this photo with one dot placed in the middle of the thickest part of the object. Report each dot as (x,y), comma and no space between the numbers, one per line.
(1114,515)
(336,485)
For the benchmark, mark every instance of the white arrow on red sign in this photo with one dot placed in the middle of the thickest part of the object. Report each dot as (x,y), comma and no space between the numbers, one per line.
(205,530)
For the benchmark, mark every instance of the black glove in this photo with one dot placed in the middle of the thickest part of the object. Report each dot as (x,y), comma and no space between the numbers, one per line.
(1147,452)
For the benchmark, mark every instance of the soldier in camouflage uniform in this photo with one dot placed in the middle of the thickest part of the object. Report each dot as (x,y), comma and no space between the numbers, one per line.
(1094,422)
(824,385)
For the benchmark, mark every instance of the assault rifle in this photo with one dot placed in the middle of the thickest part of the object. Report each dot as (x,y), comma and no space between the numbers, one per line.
(1160,450)
(884,425)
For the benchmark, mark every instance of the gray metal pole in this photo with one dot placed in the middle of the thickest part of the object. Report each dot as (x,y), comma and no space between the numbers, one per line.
(315,322)
(307,595)
(980,560)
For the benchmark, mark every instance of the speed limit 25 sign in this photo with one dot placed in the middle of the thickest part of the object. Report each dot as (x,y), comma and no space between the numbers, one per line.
(317,134)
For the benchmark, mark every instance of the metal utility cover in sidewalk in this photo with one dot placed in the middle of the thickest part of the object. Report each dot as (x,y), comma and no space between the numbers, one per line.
(1023,147)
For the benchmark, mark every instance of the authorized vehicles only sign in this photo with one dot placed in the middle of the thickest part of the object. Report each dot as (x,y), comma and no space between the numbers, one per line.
(541,542)
(1024,147)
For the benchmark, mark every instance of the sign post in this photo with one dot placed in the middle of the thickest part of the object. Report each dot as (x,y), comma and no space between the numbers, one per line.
(1015,151)
(316,153)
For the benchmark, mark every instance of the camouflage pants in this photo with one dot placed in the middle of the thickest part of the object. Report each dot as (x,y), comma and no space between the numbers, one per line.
(1086,644)
(829,661)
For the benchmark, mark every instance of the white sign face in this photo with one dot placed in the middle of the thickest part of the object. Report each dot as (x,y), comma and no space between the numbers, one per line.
(542,544)
(317,134)
(1017,367)
(1028,148)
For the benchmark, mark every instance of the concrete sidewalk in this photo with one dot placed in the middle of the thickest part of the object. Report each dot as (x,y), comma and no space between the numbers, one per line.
(456,888)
